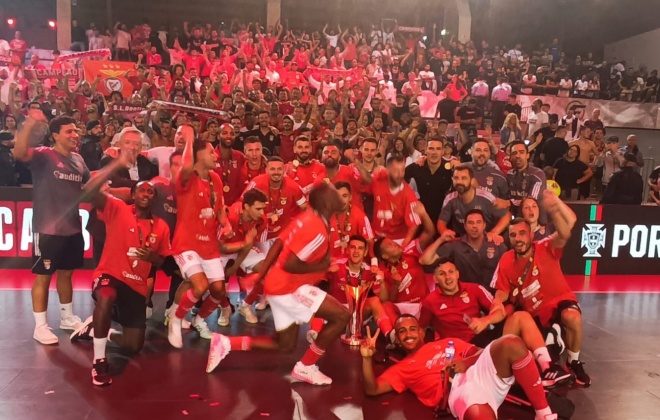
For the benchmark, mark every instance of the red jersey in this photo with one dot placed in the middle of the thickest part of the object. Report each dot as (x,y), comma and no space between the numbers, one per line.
(283,203)
(446,313)
(413,287)
(124,234)
(307,238)
(286,145)
(247,174)
(394,211)
(286,108)
(420,371)
(343,226)
(240,227)
(339,279)
(305,175)
(543,287)
(81,104)
(347,173)
(230,172)
(198,204)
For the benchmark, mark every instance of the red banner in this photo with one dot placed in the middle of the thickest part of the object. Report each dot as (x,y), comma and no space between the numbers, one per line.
(125,108)
(113,76)
(221,116)
(87,54)
(43,74)
(410,29)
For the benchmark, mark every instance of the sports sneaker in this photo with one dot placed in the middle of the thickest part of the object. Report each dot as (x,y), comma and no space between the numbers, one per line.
(220,348)
(312,335)
(225,314)
(70,323)
(310,374)
(84,332)
(248,312)
(581,377)
(555,376)
(201,327)
(185,324)
(101,373)
(174,332)
(44,335)
(262,304)
(546,417)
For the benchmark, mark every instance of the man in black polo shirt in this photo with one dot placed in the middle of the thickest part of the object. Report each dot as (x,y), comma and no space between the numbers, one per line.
(475,256)
(469,117)
(433,178)
(512,107)
(554,148)
(270,139)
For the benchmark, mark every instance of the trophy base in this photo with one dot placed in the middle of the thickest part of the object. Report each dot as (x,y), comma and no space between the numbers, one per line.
(351,340)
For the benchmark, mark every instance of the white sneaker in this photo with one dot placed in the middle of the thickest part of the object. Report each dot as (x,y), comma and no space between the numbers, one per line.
(70,323)
(248,312)
(546,417)
(225,314)
(185,324)
(220,348)
(312,335)
(202,328)
(262,304)
(44,335)
(310,374)
(174,332)
(150,312)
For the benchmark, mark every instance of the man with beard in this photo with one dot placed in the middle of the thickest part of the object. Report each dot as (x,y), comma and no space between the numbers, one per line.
(270,140)
(382,139)
(530,276)
(488,175)
(83,99)
(302,169)
(287,139)
(536,120)
(394,203)
(230,162)
(351,221)
(354,174)
(432,178)
(165,134)
(524,180)
(161,155)
(90,149)
(482,378)
(368,151)
(467,197)
(473,253)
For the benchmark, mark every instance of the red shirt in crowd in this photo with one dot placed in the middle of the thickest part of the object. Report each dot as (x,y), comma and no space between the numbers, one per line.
(343,226)
(230,173)
(394,211)
(447,314)
(307,238)
(349,174)
(343,276)
(198,204)
(305,175)
(412,286)
(544,286)
(286,145)
(247,173)
(240,227)
(125,233)
(283,203)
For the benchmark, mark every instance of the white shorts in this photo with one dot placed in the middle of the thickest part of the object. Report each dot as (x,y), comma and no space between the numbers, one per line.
(254,257)
(266,245)
(190,263)
(413,309)
(296,308)
(479,385)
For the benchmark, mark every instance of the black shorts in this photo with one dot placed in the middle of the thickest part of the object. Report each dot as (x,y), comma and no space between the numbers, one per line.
(556,314)
(130,307)
(53,252)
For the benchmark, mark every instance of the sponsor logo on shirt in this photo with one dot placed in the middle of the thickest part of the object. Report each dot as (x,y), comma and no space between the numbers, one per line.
(130,276)
(203,238)
(67,177)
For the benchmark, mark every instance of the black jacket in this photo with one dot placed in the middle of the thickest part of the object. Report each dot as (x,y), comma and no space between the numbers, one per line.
(8,176)
(91,152)
(625,187)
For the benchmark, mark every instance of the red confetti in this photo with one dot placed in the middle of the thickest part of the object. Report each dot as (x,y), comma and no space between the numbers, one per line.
(194,395)
(184,412)
(214,404)
(348,398)
(386,403)
(265,414)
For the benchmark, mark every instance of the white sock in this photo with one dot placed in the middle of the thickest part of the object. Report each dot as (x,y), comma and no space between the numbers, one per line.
(543,357)
(39,319)
(573,356)
(172,312)
(543,412)
(66,310)
(99,348)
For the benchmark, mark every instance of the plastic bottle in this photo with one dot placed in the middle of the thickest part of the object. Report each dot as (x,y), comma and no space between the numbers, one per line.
(450,352)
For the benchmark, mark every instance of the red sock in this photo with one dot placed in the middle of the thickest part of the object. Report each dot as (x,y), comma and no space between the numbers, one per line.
(385,325)
(243,343)
(316,324)
(188,300)
(312,355)
(257,290)
(224,302)
(527,376)
(209,305)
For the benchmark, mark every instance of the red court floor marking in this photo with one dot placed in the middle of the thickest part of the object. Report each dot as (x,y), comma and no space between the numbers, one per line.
(82,280)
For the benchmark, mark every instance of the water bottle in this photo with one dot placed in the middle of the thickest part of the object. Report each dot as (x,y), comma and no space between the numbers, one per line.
(450,351)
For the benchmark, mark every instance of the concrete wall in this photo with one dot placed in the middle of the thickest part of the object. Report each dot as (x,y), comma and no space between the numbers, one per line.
(636,50)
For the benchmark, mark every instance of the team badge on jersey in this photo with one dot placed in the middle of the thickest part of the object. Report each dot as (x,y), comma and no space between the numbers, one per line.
(489,180)
(465,297)
(490,252)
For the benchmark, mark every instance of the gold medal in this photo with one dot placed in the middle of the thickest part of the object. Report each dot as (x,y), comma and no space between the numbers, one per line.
(327,180)
(295,163)
(225,188)
(274,218)
(447,166)
(515,292)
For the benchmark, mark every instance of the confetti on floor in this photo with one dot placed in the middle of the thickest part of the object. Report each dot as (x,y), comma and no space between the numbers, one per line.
(184,412)
(194,395)
(214,404)
(265,414)
(49,392)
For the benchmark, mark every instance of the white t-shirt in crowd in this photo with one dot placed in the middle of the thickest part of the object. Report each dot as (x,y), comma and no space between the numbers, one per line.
(161,156)
(123,39)
(332,40)
(536,121)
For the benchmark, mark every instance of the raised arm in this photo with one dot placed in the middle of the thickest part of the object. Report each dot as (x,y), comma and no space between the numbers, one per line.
(562,217)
